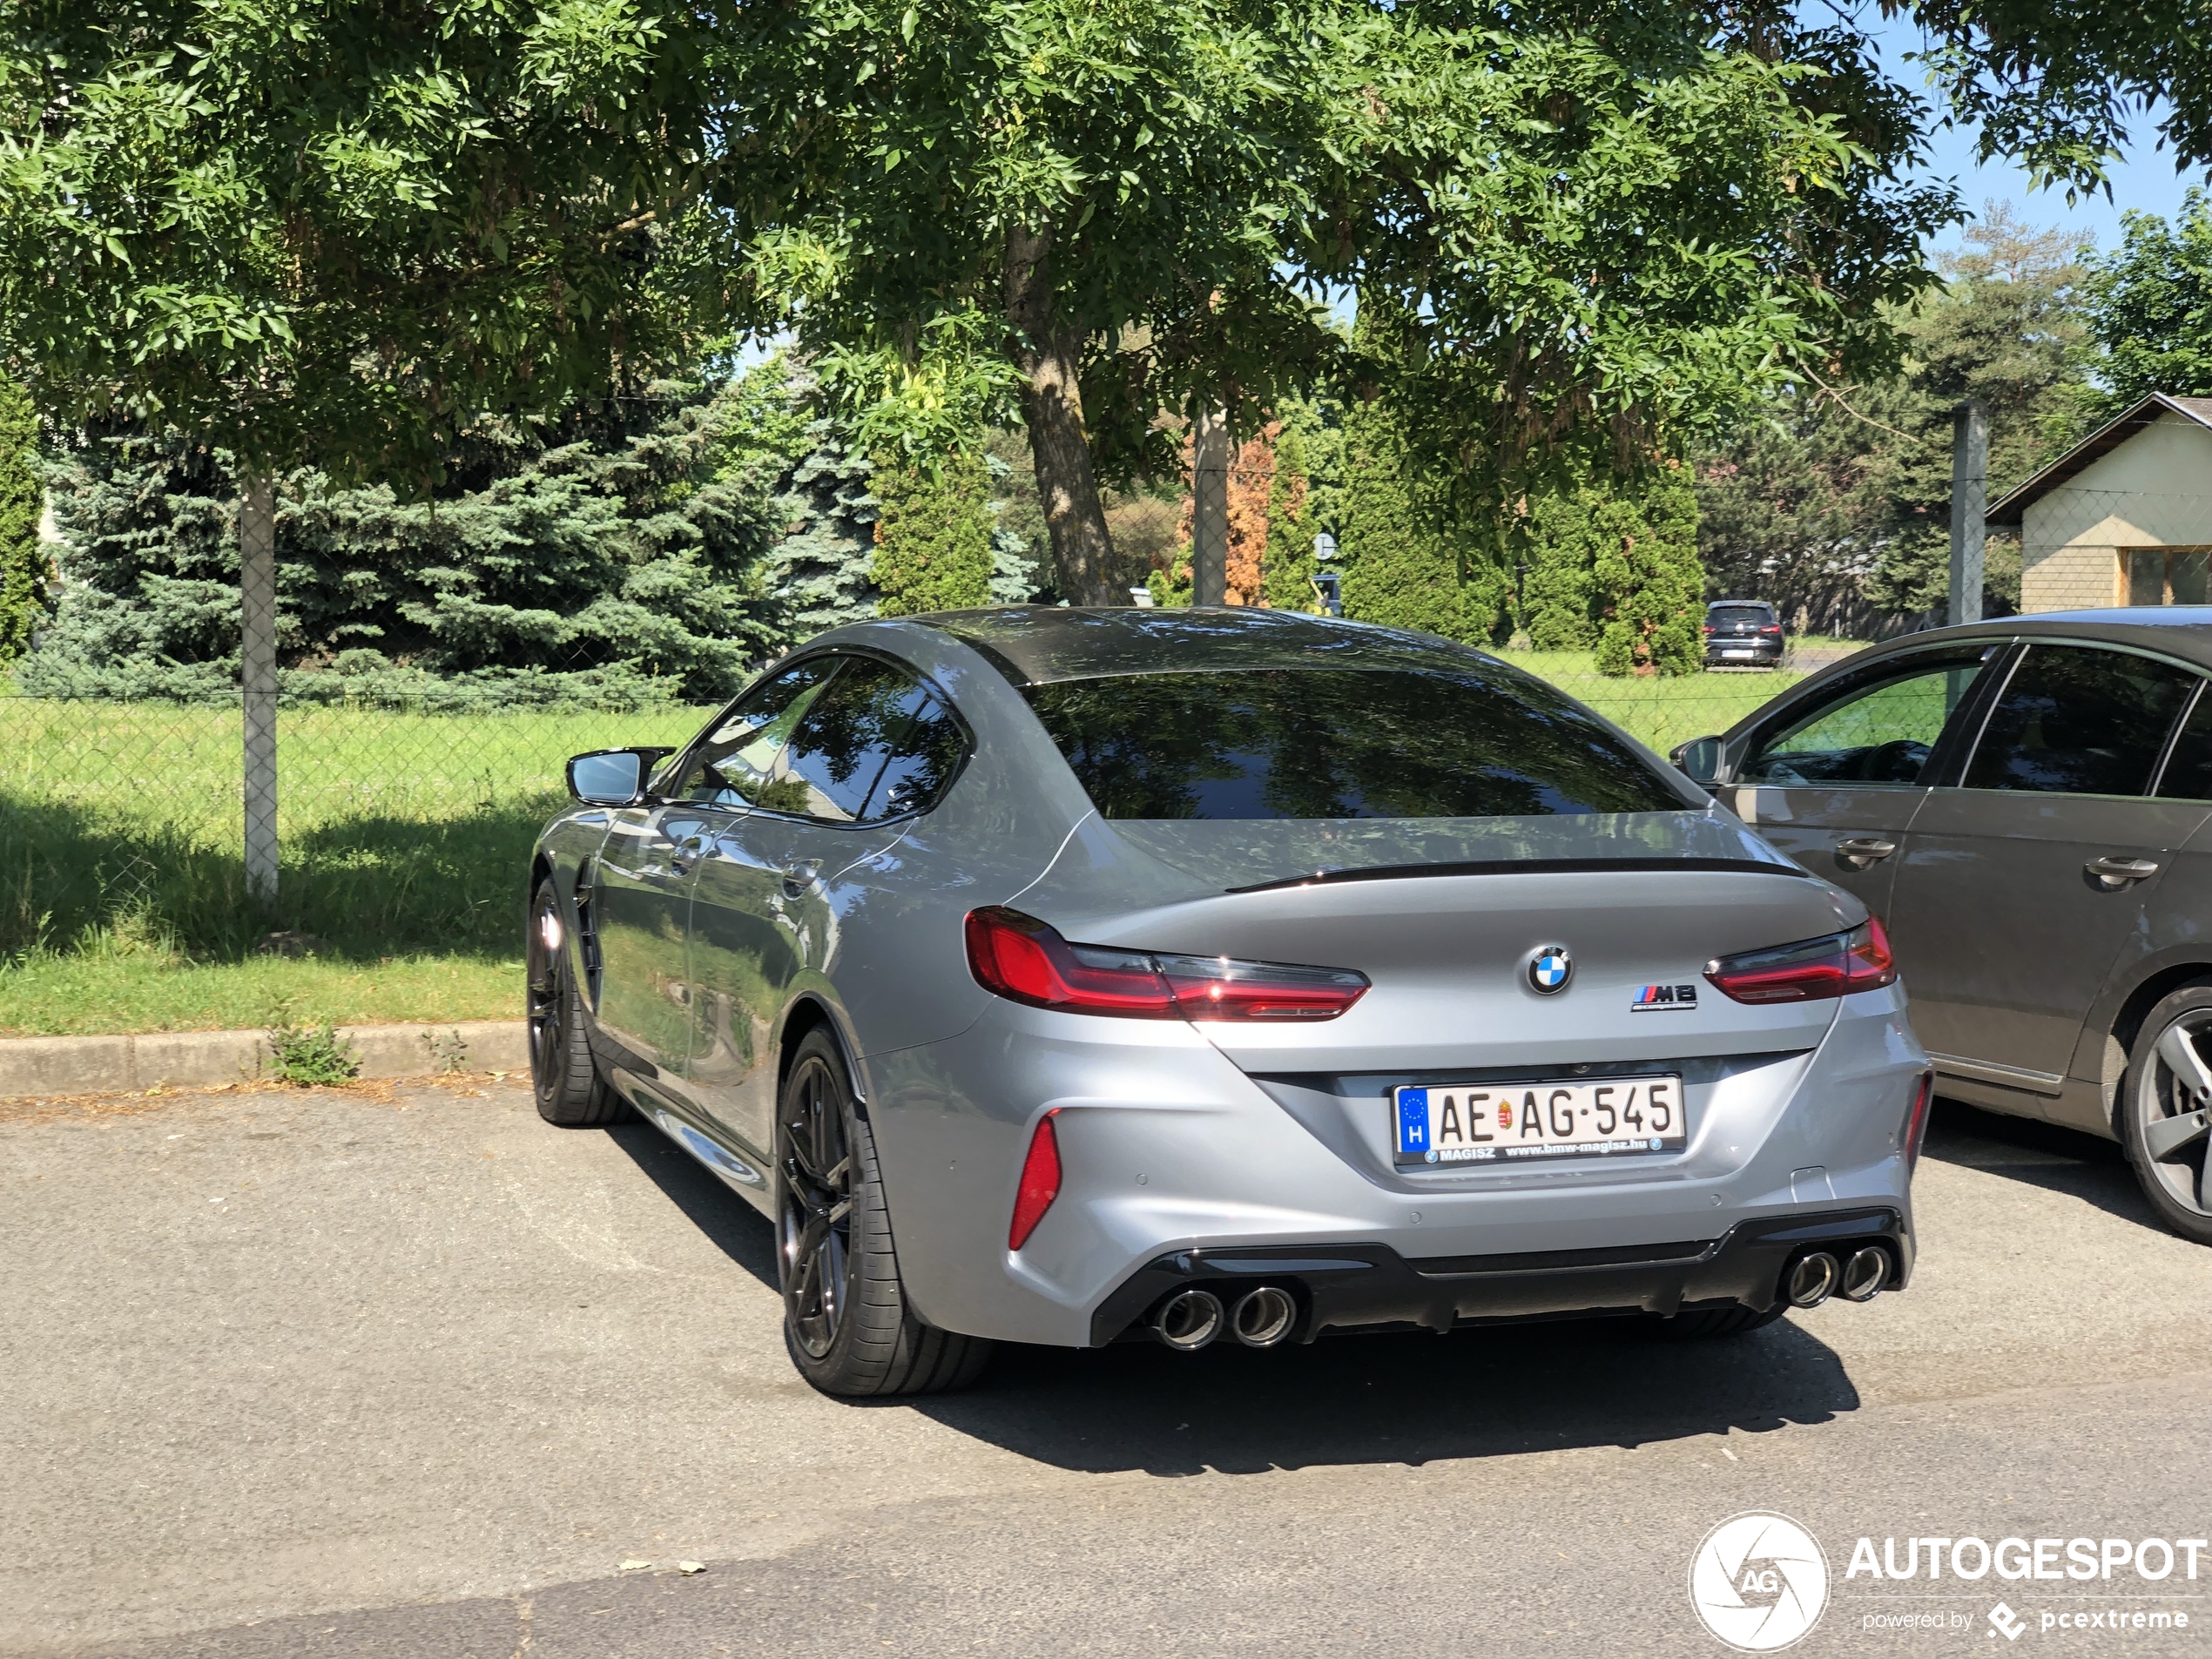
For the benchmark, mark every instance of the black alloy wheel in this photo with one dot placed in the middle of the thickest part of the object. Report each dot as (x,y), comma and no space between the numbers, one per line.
(564,1075)
(848,1322)
(2165,1110)
(815,1225)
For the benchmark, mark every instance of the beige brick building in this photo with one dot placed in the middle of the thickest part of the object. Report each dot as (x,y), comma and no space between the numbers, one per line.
(2124,517)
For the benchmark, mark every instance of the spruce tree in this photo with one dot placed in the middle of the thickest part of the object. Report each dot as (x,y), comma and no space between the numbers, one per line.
(22,562)
(933,536)
(820,570)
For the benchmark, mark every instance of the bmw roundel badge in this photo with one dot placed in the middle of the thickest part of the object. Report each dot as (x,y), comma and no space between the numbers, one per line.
(1549,968)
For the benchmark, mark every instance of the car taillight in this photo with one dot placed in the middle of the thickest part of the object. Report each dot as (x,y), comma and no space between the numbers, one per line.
(1774,630)
(1835,965)
(1915,1121)
(1709,627)
(1025,961)
(1040,1182)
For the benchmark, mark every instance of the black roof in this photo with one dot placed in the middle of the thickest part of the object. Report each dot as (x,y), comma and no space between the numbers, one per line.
(1035,644)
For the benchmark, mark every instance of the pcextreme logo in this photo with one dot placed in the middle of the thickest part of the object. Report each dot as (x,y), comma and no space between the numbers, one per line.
(1759,1582)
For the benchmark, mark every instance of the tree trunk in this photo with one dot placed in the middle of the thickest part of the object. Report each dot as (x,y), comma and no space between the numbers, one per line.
(1050,355)
(258,681)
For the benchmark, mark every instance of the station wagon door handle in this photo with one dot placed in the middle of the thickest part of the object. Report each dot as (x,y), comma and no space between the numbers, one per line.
(1857,851)
(2113,874)
(799,875)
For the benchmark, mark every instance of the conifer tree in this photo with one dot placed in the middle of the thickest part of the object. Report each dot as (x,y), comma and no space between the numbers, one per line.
(933,536)
(1291,528)
(1401,568)
(22,562)
(820,570)
(1646,578)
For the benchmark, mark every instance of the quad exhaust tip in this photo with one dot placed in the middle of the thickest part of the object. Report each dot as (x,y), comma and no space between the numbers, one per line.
(1263,1317)
(1812,1280)
(1864,1274)
(1188,1319)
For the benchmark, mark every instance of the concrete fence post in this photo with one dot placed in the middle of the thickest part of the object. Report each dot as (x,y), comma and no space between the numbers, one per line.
(1969,497)
(258,681)
(1210,508)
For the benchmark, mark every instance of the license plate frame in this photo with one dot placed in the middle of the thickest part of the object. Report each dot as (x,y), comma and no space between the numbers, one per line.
(1487,1124)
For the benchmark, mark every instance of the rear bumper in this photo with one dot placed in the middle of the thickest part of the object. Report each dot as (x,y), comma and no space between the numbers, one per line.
(1356,1287)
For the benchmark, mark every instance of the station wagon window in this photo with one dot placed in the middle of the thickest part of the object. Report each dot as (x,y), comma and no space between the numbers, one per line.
(2076,720)
(1342,743)
(2188,769)
(1881,731)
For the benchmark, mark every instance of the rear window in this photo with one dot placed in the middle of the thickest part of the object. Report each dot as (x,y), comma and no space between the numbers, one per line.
(1720,615)
(1342,743)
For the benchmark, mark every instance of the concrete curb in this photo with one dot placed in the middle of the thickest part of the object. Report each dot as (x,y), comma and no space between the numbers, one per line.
(112,1065)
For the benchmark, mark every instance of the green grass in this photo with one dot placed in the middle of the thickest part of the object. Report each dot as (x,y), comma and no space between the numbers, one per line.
(1663,710)
(404,840)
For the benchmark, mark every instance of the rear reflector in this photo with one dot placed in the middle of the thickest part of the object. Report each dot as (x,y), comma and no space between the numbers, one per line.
(1040,1182)
(1025,961)
(1915,1121)
(1833,966)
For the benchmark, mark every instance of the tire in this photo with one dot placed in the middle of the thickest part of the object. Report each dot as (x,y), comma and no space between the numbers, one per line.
(1700,1324)
(847,1323)
(2165,1104)
(564,1075)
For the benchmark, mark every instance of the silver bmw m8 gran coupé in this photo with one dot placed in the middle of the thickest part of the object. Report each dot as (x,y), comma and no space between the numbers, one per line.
(1065,976)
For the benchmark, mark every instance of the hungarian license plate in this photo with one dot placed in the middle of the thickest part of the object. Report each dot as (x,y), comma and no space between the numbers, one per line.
(1500,1122)
(1739,653)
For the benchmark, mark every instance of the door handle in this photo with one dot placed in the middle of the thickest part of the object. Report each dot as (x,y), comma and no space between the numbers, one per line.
(798,875)
(687,854)
(1858,852)
(2113,872)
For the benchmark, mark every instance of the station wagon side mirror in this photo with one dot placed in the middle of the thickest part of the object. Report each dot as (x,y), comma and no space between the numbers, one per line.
(612,777)
(1701,759)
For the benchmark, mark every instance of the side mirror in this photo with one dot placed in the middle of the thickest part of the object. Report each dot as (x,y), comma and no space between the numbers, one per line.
(612,777)
(1701,759)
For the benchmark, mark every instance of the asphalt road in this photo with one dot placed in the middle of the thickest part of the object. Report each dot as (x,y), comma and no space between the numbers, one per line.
(307,1376)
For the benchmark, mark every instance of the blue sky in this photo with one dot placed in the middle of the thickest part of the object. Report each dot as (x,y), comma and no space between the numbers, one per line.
(2144,179)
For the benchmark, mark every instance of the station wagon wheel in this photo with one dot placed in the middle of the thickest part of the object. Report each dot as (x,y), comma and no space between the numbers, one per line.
(564,1077)
(815,1225)
(848,1322)
(2165,1110)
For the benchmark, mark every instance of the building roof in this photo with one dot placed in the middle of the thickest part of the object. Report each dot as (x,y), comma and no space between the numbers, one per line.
(2098,444)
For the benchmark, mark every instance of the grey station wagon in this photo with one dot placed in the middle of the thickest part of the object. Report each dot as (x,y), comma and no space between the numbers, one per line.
(2028,803)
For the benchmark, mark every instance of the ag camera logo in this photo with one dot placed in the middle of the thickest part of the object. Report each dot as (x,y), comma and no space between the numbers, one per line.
(1759,1582)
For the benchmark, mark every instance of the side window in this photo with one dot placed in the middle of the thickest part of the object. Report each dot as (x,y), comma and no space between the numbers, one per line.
(1881,731)
(735,764)
(2188,769)
(2076,720)
(872,746)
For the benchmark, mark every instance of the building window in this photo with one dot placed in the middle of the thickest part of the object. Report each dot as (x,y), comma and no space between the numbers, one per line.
(2163,575)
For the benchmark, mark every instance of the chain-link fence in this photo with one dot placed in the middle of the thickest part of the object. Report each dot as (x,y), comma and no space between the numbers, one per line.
(401,828)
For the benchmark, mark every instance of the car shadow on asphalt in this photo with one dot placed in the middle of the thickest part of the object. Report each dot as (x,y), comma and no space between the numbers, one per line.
(731,1225)
(1402,1398)
(2036,1154)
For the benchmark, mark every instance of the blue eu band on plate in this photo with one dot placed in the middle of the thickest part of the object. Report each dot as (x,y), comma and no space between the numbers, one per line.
(1503,1122)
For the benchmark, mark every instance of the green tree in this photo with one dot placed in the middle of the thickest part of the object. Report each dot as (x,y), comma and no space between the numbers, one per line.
(2059,82)
(2150,306)
(606,566)
(1400,567)
(1290,564)
(933,536)
(22,561)
(1836,498)
(1610,216)
(1645,579)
